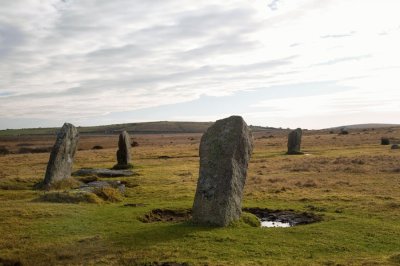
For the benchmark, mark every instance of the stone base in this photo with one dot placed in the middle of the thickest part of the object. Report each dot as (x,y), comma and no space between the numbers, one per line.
(100,172)
(122,166)
(92,186)
(295,153)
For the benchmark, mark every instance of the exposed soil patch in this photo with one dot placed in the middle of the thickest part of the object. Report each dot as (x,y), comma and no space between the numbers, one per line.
(165,157)
(4,150)
(154,263)
(8,262)
(289,217)
(134,205)
(167,215)
(284,216)
(165,264)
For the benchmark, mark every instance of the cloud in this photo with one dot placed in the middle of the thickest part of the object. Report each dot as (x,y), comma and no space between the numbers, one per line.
(73,59)
(338,35)
(273,5)
(344,59)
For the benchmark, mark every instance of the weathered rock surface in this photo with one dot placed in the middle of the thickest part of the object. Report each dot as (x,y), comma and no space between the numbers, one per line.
(100,172)
(92,186)
(225,151)
(124,151)
(294,141)
(62,155)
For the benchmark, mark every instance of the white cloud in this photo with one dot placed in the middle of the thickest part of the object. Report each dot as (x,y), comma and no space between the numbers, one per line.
(75,59)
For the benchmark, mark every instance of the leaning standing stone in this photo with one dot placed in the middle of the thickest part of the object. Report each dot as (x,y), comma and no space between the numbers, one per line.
(294,141)
(225,151)
(62,155)
(124,151)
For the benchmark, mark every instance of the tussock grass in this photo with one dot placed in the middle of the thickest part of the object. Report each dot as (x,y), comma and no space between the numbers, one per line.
(249,219)
(67,183)
(108,194)
(395,259)
(356,188)
(70,197)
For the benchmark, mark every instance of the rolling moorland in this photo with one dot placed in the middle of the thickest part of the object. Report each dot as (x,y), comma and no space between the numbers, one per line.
(350,180)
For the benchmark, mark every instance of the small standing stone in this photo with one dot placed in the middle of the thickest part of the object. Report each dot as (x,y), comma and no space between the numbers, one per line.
(124,151)
(225,151)
(385,141)
(62,155)
(294,142)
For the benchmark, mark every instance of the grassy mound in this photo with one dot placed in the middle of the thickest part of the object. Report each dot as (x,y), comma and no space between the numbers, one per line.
(67,183)
(70,197)
(250,219)
(108,194)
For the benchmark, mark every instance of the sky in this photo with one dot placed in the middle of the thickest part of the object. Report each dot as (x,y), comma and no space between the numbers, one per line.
(281,63)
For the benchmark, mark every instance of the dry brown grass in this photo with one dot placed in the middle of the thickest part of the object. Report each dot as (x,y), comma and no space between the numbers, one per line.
(351,179)
(108,194)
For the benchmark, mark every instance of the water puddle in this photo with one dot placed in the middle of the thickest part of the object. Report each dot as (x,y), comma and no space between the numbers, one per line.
(268,218)
(283,218)
(274,224)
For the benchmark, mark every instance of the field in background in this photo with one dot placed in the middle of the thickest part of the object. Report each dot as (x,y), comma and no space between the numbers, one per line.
(352,180)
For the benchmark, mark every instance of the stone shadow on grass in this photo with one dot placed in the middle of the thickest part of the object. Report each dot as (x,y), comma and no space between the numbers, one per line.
(149,235)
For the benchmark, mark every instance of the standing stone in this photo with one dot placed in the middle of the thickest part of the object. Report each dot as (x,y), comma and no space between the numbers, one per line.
(294,142)
(62,155)
(225,151)
(124,151)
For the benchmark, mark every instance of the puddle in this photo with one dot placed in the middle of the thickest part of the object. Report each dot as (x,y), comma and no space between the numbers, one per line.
(283,218)
(267,217)
(274,224)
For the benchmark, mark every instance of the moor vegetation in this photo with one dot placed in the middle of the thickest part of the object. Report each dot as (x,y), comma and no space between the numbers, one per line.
(350,180)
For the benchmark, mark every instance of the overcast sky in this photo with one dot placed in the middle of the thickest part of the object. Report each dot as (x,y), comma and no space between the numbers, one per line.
(282,63)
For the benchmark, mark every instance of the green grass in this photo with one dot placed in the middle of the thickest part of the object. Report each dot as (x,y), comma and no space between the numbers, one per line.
(360,205)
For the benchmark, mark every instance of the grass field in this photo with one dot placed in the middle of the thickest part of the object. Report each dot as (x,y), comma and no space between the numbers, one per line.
(352,180)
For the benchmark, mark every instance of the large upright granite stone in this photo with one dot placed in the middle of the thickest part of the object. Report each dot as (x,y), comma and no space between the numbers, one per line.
(62,155)
(124,151)
(294,142)
(225,151)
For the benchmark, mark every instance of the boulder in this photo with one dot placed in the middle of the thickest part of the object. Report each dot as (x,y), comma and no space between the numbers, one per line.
(62,155)
(294,142)
(225,151)
(395,147)
(92,186)
(102,172)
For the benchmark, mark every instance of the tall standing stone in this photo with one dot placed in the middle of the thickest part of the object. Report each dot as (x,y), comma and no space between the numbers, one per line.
(62,155)
(124,151)
(294,141)
(225,151)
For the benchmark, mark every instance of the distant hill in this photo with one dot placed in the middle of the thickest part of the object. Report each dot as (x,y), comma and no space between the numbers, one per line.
(366,126)
(161,127)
